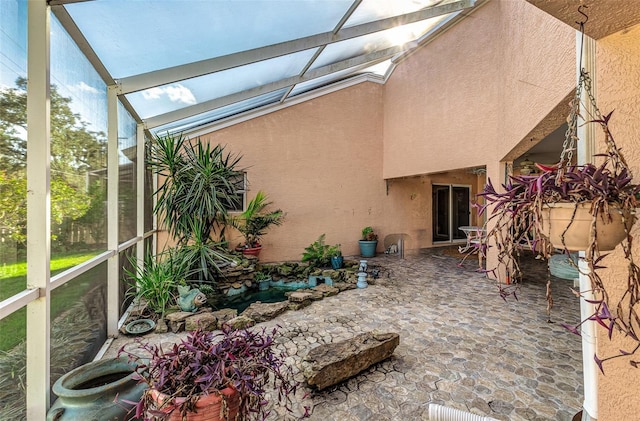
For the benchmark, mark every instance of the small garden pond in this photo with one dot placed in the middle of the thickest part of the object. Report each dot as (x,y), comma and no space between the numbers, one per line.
(241,301)
(269,292)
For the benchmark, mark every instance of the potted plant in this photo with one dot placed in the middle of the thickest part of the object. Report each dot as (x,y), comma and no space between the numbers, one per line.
(317,253)
(212,376)
(263,280)
(368,242)
(601,201)
(254,222)
(335,252)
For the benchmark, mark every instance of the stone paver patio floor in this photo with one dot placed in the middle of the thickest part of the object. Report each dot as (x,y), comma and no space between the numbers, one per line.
(461,345)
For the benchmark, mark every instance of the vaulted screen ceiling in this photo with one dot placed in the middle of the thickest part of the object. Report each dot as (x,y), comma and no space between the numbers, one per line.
(181,64)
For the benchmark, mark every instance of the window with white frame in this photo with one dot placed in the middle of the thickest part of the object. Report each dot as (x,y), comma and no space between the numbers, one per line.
(237,199)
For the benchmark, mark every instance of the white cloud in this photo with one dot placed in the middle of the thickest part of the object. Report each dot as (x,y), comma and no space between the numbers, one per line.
(175,93)
(153,93)
(83,87)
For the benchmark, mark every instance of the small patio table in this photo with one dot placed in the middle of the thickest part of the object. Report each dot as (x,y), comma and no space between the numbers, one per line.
(474,236)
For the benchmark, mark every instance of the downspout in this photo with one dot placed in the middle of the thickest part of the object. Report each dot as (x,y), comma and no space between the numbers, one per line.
(586,48)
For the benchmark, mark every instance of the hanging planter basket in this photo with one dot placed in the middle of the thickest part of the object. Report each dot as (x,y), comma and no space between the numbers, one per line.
(559,220)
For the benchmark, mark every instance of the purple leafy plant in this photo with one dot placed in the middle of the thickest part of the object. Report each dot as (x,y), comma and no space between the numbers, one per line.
(515,220)
(208,362)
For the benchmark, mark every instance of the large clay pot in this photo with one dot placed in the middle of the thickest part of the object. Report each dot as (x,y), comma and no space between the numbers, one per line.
(368,248)
(556,218)
(88,393)
(208,407)
(251,251)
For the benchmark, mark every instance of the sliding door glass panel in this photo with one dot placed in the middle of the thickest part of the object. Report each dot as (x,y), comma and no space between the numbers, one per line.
(440,198)
(461,210)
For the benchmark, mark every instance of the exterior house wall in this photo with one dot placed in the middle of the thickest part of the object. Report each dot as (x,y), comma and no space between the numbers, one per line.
(472,95)
(618,84)
(325,161)
(467,98)
(319,161)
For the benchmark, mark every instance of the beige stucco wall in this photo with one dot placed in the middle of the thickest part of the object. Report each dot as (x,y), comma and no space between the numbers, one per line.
(464,100)
(321,162)
(618,80)
(467,98)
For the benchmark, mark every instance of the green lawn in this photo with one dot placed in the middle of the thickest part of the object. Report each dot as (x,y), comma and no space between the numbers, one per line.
(13,279)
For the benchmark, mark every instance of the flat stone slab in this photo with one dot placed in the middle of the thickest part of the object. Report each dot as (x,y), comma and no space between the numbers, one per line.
(205,321)
(261,312)
(224,315)
(326,290)
(240,322)
(330,364)
(343,286)
(298,297)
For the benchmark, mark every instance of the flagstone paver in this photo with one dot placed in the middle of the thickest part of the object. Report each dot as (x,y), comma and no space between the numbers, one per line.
(461,345)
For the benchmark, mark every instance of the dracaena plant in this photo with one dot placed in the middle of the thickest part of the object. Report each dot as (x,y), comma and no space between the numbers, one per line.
(208,362)
(514,220)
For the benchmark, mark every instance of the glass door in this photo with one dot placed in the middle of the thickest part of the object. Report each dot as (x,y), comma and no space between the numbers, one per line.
(451,209)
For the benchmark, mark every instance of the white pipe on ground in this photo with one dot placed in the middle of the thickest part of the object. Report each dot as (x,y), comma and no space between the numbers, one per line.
(444,413)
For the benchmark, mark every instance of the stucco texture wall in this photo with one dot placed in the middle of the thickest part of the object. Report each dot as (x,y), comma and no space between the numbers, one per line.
(468,97)
(321,162)
(618,81)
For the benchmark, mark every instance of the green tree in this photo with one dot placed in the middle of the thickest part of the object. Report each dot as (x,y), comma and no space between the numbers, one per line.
(75,150)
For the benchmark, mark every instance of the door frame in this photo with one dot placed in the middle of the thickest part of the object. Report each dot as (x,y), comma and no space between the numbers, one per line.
(451,240)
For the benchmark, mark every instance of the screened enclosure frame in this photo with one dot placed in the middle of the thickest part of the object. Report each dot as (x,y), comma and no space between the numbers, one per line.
(282,92)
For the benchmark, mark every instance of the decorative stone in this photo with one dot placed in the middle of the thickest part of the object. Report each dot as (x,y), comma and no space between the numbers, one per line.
(330,364)
(298,305)
(176,320)
(240,322)
(178,316)
(261,312)
(298,297)
(224,315)
(327,290)
(161,327)
(205,321)
(284,270)
(343,286)
(316,295)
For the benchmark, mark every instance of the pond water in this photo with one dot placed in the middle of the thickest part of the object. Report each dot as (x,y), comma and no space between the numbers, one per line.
(241,301)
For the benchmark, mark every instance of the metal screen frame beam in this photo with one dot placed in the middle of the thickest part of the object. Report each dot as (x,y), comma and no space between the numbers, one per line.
(173,74)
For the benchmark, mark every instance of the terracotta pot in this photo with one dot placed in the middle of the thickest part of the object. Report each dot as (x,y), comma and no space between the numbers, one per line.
(208,407)
(252,251)
(556,218)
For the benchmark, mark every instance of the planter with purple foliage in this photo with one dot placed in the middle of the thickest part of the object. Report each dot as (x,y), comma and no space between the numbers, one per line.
(231,370)
(599,202)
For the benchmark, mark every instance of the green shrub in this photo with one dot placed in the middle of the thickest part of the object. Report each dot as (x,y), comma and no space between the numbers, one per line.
(317,254)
